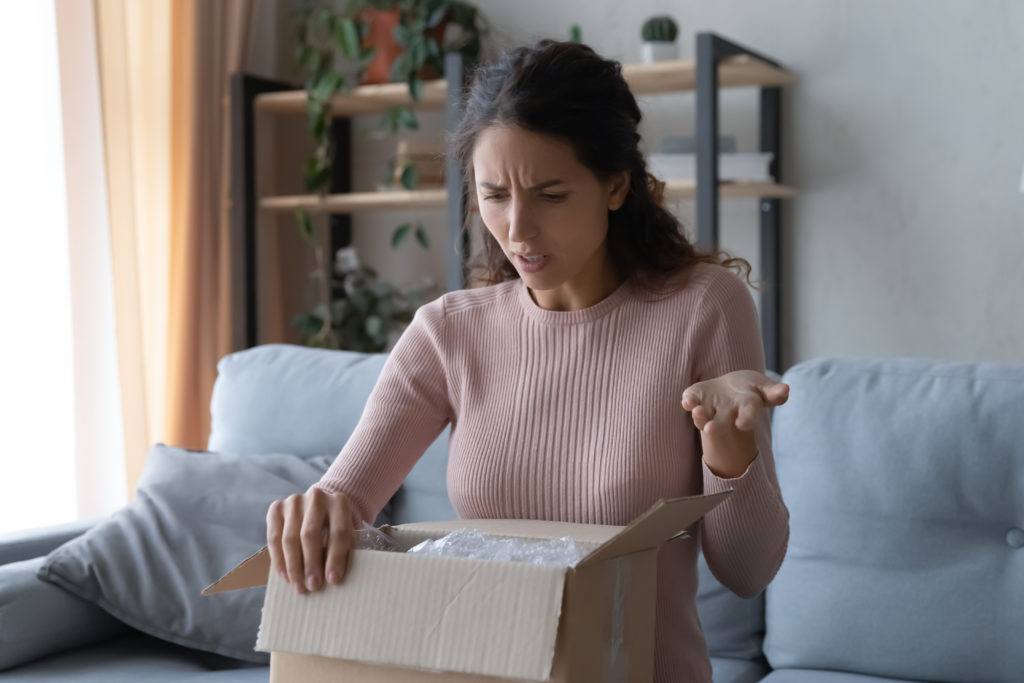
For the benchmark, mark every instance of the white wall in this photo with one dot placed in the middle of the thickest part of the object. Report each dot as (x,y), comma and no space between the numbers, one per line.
(904,135)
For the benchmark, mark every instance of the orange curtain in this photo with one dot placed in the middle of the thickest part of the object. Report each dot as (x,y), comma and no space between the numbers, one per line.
(165,68)
(134,67)
(208,44)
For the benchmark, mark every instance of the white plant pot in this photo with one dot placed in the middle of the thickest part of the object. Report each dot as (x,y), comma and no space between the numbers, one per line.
(658,52)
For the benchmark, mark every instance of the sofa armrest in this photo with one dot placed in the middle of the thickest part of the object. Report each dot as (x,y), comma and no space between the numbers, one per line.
(24,545)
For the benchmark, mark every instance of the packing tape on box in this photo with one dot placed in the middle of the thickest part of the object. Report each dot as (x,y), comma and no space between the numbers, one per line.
(617,667)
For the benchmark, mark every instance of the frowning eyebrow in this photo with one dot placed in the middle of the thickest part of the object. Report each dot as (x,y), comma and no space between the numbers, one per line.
(540,186)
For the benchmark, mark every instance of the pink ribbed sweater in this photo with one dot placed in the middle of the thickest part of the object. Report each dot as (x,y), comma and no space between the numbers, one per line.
(575,416)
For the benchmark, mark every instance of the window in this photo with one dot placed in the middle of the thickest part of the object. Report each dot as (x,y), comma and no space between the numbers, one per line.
(61,460)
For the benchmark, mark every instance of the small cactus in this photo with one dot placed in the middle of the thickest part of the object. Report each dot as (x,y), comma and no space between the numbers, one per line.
(660,29)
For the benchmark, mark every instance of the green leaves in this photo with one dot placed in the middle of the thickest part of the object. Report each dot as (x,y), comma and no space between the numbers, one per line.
(326,85)
(433,49)
(399,234)
(388,177)
(305,224)
(318,173)
(416,88)
(421,237)
(401,34)
(401,67)
(408,119)
(463,14)
(332,52)
(402,231)
(391,119)
(398,117)
(347,36)
(410,177)
(436,17)
(363,313)
(374,326)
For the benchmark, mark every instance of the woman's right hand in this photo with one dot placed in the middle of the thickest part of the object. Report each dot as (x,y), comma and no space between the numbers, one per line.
(299,527)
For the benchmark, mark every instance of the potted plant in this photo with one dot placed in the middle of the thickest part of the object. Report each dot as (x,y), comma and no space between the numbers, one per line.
(659,34)
(340,46)
(369,315)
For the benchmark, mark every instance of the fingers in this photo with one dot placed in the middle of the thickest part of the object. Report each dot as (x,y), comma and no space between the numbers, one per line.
(711,420)
(311,538)
(701,416)
(340,538)
(716,412)
(291,541)
(746,418)
(693,397)
(775,394)
(275,525)
(297,528)
(722,421)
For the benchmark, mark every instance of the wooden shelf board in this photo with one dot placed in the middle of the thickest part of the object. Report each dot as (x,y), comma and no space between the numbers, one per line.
(355,202)
(365,99)
(643,79)
(681,75)
(676,190)
(402,200)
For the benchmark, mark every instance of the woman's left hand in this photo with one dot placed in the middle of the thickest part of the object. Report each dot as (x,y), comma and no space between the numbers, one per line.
(725,410)
(732,401)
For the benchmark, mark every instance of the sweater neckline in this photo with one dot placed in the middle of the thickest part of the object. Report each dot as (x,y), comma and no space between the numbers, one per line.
(583,315)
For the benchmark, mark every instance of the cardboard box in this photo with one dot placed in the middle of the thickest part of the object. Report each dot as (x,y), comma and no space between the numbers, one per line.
(411,618)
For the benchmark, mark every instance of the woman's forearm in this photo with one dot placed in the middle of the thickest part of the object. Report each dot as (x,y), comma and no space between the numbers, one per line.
(728,455)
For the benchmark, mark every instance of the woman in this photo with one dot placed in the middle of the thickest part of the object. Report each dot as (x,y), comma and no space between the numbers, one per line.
(562,378)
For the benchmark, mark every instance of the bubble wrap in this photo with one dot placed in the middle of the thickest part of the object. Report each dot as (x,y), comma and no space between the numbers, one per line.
(560,552)
(372,538)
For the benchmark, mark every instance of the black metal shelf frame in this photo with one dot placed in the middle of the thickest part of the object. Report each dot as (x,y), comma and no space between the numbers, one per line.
(712,49)
(245,203)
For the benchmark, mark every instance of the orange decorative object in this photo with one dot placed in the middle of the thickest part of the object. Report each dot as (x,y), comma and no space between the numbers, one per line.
(381,37)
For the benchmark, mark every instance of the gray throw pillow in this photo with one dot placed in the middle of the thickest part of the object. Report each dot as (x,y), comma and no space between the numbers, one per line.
(38,619)
(194,517)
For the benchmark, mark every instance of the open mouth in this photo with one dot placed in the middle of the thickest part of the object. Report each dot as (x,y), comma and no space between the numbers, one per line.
(531,263)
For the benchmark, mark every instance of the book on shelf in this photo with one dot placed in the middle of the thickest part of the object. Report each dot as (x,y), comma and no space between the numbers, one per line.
(752,167)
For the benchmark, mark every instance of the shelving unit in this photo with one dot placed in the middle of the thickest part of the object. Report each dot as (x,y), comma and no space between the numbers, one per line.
(719,64)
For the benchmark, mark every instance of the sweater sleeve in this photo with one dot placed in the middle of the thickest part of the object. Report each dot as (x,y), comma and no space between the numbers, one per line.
(744,539)
(406,411)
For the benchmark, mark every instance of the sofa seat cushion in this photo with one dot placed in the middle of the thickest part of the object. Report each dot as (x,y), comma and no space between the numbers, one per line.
(38,618)
(728,670)
(820,676)
(135,658)
(733,626)
(905,482)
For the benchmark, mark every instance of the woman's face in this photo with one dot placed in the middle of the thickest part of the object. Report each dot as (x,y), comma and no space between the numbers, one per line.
(549,213)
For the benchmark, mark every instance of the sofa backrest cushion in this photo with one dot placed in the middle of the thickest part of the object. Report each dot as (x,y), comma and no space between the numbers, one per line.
(904,480)
(282,398)
(733,626)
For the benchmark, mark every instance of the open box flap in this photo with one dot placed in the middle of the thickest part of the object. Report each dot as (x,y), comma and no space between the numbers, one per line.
(521,528)
(252,571)
(664,520)
(432,613)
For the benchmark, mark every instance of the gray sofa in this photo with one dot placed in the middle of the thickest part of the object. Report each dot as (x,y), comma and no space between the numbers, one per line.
(904,479)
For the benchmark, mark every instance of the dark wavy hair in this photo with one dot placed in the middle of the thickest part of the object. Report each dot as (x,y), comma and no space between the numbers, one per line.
(568,91)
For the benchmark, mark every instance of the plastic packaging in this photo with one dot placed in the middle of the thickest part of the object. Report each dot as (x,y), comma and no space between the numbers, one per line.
(560,552)
(372,538)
